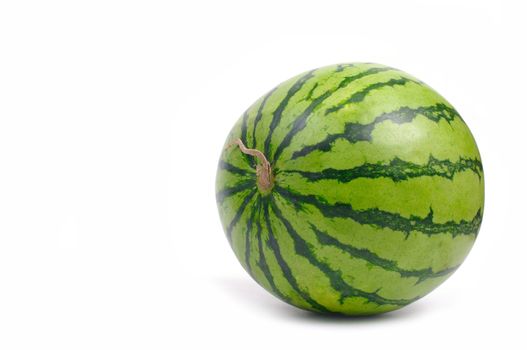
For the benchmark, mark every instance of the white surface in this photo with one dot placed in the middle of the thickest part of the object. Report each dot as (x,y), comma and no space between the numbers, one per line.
(112,117)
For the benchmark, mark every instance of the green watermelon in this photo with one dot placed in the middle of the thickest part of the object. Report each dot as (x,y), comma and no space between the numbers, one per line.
(353,189)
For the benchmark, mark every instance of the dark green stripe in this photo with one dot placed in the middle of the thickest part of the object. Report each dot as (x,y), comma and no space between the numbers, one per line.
(397,170)
(383,219)
(239,213)
(262,262)
(422,274)
(286,270)
(248,232)
(301,121)
(347,80)
(360,95)
(243,137)
(239,187)
(234,170)
(337,282)
(299,124)
(259,115)
(342,66)
(310,93)
(283,104)
(355,132)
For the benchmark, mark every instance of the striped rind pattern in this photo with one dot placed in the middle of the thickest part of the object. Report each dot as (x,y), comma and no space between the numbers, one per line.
(378,193)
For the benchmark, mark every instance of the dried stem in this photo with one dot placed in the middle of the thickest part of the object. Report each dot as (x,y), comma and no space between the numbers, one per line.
(264,173)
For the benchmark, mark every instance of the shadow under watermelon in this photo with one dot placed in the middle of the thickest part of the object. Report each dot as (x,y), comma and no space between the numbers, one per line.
(253,296)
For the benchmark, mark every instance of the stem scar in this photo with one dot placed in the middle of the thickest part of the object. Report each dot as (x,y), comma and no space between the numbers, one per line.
(264,173)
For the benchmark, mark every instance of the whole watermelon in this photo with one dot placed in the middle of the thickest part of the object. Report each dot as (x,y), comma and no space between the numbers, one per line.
(353,189)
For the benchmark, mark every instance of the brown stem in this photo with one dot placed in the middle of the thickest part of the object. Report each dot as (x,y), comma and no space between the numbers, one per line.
(264,173)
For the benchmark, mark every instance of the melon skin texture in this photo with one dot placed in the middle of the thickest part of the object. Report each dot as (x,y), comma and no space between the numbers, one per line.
(375,193)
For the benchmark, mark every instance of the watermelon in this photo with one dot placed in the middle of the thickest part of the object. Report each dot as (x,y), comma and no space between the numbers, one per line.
(353,189)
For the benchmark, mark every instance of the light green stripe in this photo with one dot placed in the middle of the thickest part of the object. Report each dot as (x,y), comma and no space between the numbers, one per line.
(457,199)
(375,104)
(412,252)
(404,141)
(357,272)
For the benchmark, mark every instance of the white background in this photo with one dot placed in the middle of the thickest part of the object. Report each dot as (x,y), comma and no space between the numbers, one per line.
(112,118)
